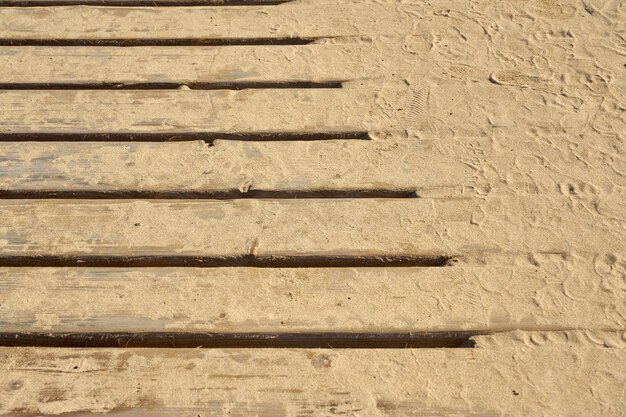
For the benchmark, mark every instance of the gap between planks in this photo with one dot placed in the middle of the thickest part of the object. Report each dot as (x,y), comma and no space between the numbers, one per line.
(207,137)
(209,195)
(299,340)
(253,261)
(240,85)
(140,3)
(319,340)
(130,42)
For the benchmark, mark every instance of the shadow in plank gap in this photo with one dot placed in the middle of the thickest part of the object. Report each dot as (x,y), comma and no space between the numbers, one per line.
(140,3)
(330,340)
(207,195)
(276,261)
(162,42)
(242,85)
(208,137)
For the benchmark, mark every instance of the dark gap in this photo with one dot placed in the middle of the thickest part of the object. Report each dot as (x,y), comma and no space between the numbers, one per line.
(159,42)
(206,195)
(326,340)
(140,3)
(239,85)
(278,261)
(208,137)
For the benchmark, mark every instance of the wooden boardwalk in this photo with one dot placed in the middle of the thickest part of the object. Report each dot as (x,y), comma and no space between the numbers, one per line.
(312,208)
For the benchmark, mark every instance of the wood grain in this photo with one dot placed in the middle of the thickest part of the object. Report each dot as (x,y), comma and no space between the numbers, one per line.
(456,110)
(390,163)
(260,230)
(230,169)
(525,294)
(199,66)
(208,112)
(521,380)
(289,20)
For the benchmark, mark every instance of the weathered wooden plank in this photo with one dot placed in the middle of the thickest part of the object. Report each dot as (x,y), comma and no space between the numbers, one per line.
(256,231)
(520,380)
(431,111)
(290,20)
(390,164)
(230,168)
(179,111)
(200,66)
(546,291)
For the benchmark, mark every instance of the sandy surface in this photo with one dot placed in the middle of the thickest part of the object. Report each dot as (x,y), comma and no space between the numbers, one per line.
(505,118)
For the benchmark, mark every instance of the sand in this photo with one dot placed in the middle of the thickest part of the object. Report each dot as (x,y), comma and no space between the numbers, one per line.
(386,167)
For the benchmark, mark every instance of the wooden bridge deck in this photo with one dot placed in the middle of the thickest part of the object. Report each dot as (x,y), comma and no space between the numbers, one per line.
(312,207)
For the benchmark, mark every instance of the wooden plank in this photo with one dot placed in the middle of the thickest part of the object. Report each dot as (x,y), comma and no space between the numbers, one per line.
(543,292)
(389,164)
(257,231)
(209,112)
(290,20)
(199,66)
(230,168)
(191,382)
(450,110)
